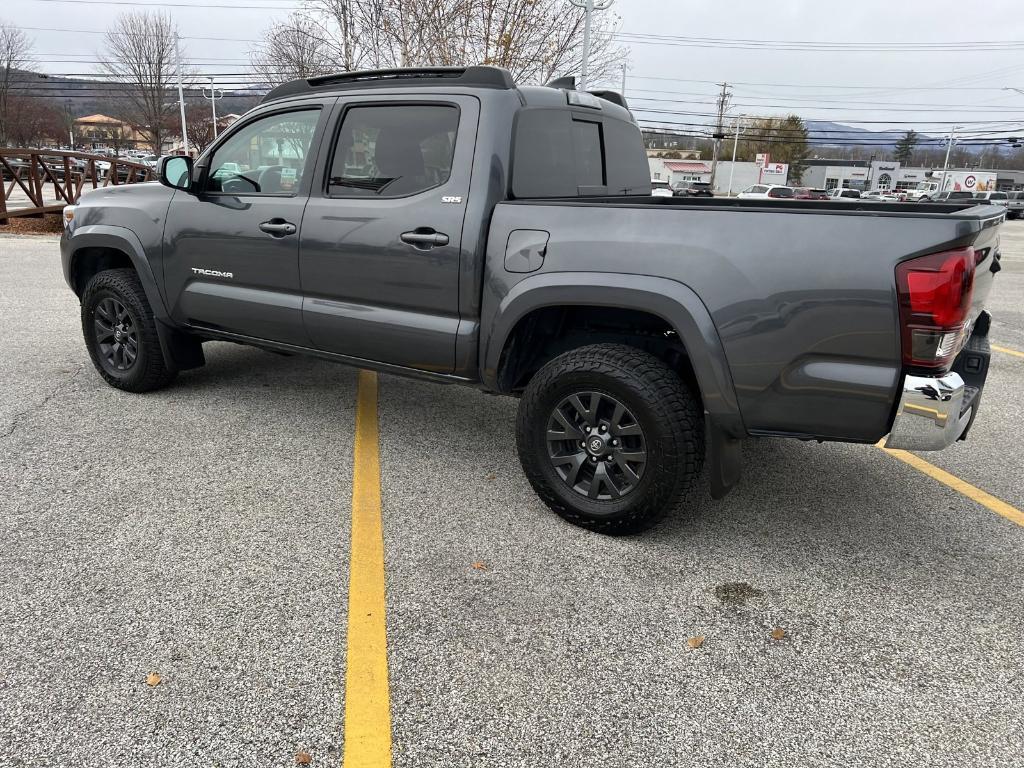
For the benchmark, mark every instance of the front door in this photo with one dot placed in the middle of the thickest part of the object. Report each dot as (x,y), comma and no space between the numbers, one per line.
(381,239)
(231,253)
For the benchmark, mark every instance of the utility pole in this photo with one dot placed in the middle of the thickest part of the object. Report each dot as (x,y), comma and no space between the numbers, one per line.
(718,135)
(181,94)
(213,103)
(735,141)
(949,146)
(588,6)
(623,80)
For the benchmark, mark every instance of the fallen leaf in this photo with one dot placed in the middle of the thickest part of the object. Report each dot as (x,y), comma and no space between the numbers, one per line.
(696,642)
(303,758)
(778,633)
(492,477)
(152,679)
(479,566)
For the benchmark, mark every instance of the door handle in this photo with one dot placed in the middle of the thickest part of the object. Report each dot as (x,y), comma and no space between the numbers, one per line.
(424,238)
(278,227)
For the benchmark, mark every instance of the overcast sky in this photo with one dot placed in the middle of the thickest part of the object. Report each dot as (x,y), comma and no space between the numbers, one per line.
(666,74)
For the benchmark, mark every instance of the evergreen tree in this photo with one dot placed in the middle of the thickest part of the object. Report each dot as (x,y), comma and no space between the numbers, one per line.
(905,147)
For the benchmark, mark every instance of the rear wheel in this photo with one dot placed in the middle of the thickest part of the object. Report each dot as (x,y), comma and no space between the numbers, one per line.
(610,437)
(120,332)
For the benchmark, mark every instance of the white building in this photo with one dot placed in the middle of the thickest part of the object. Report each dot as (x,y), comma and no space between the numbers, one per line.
(679,171)
(742,174)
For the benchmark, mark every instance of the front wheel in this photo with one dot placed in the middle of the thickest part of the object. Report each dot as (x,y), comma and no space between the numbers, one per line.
(120,332)
(610,437)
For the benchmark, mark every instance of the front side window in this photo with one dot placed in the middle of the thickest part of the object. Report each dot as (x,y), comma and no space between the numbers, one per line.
(393,151)
(266,157)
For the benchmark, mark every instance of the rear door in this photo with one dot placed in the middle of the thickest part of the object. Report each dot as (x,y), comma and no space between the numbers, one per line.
(382,232)
(231,253)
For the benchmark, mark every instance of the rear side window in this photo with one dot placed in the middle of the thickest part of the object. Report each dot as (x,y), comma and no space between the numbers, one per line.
(393,151)
(562,153)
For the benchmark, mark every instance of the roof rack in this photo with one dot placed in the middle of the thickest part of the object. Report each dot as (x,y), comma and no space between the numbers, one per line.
(475,77)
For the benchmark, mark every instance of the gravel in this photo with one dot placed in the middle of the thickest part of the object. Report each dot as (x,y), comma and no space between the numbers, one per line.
(201,533)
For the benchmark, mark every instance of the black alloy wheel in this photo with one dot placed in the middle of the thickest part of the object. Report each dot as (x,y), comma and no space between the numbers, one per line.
(120,332)
(117,334)
(596,445)
(610,437)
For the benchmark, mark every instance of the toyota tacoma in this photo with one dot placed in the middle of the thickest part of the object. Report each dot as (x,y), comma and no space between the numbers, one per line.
(449,224)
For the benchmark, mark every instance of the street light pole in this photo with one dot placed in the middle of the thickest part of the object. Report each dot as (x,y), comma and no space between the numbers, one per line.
(181,94)
(213,103)
(949,146)
(588,6)
(735,141)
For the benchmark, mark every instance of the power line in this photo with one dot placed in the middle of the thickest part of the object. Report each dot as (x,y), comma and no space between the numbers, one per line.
(204,6)
(812,47)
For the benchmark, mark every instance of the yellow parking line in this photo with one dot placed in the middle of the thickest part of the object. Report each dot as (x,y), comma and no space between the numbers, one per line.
(998,506)
(367,696)
(1008,351)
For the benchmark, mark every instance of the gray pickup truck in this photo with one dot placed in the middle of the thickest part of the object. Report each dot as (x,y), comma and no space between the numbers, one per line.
(447,224)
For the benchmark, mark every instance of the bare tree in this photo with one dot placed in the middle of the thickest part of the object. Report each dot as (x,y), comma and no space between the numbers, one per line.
(535,39)
(140,55)
(297,48)
(15,58)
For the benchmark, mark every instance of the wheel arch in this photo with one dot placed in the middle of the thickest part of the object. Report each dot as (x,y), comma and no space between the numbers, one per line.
(95,248)
(672,303)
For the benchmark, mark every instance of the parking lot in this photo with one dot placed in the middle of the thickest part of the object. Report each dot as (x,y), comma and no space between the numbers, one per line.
(202,533)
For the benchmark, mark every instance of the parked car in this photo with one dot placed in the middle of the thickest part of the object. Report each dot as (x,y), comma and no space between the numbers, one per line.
(885,195)
(1014,204)
(949,196)
(660,188)
(843,193)
(995,198)
(693,189)
(810,193)
(643,338)
(766,192)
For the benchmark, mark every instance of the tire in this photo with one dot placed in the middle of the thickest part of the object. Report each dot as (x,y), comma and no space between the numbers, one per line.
(654,400)
(114,303)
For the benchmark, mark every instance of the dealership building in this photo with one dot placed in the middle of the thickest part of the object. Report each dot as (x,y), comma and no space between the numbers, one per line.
(886,174)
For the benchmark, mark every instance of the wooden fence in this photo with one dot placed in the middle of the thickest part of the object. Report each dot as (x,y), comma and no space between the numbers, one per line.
(33,171)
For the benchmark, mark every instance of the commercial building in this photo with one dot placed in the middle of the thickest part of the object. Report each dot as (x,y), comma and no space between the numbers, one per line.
(742,174)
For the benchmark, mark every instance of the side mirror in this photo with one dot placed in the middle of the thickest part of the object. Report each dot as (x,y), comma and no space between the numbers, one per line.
(175,171)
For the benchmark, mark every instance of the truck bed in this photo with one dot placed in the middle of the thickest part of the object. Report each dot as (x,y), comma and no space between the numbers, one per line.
(966,210)
(802,294)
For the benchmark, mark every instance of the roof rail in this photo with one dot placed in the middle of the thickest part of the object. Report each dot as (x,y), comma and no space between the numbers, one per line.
(613,96)
(568,83)
(475,77)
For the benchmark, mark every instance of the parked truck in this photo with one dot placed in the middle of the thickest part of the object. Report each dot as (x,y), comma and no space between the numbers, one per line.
(953,181)
(451,225)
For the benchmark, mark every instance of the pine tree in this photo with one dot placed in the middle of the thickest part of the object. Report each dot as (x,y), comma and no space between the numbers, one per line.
(905,147)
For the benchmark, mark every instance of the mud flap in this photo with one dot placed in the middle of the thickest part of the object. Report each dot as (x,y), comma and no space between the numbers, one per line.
(724,459)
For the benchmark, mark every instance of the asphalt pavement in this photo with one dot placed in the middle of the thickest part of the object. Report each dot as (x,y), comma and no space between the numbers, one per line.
(201,534)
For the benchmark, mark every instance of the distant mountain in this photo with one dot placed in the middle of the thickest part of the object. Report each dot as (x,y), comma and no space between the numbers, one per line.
(88,97)
(826,133)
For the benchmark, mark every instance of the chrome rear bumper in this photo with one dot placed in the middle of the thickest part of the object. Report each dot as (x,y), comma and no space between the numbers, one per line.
(931,414)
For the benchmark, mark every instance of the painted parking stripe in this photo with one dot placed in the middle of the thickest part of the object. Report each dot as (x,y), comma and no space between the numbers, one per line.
(367,694)
(987,500)
(1008,351)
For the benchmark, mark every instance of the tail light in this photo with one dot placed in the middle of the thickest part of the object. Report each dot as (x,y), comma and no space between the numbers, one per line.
(935,300)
